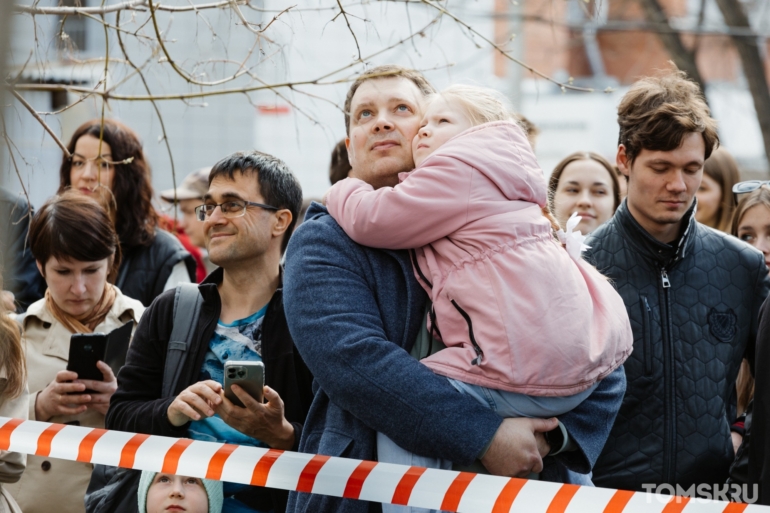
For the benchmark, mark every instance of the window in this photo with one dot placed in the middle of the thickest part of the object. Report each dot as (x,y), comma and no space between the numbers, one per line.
(73,27)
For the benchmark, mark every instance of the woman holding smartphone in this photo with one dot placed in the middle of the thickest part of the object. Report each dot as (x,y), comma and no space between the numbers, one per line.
(76,249)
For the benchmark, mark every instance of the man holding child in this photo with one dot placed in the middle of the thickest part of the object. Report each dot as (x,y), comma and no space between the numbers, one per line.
(356,313)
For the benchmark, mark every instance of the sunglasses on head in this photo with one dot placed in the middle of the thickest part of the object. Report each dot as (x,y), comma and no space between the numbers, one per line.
(747,186)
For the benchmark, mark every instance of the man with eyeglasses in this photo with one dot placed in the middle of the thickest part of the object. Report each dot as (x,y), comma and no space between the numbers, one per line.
(692,293)
(248,214)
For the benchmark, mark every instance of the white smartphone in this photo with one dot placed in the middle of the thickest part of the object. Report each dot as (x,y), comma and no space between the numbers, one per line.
(250,376)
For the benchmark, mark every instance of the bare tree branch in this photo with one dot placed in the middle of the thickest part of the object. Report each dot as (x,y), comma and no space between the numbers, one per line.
(322,80)
(157,111)
(500,49)
(129,5)
(345,15)
(683,57)
(16,168)
(40,120)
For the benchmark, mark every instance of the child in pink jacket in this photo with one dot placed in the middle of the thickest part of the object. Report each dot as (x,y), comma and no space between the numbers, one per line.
(525,322)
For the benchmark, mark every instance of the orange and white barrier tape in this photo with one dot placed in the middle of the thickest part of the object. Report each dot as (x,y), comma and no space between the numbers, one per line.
(339,477)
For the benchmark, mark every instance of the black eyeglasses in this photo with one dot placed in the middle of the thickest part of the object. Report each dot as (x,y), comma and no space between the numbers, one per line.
(235,208)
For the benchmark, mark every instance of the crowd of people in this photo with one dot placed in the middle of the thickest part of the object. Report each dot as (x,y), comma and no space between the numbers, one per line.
(445,305)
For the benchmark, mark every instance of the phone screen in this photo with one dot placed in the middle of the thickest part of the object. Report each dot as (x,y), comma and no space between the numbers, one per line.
(85,350)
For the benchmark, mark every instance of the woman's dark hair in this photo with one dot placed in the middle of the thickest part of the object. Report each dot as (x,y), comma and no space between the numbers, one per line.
(73,226)
(339,169)
(553,182)
(136,218)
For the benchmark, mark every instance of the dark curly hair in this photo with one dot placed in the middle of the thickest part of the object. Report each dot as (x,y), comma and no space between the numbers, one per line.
(136,218)
(657,112)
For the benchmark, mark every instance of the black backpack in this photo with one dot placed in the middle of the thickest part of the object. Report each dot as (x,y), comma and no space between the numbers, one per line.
(114,489)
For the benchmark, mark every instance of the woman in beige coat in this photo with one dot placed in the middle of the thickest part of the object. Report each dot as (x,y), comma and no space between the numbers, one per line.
(13,403)
(74,243)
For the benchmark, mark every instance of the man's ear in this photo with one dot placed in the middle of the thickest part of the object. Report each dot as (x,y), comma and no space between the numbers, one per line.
(283,218)
(622,161)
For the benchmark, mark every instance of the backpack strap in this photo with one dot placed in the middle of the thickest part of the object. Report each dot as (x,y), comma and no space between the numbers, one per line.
(187,307)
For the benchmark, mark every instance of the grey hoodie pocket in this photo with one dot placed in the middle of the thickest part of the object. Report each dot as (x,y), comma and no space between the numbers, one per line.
(646,334)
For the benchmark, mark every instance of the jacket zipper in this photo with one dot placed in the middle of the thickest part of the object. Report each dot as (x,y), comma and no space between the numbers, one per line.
(479,352)
(664,279)
(647,326)
(669,431)
(432,313)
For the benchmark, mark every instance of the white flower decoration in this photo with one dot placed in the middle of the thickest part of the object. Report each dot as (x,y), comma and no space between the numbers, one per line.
(572,239)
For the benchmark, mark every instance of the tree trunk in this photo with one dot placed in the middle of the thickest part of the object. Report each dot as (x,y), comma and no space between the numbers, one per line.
(753,66)
(672,41)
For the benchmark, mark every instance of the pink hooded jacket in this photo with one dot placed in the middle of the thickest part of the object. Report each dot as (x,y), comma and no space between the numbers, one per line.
(515,311)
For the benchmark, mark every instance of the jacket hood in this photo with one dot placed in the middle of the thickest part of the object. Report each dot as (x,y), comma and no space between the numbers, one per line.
(315,209)
(500,150)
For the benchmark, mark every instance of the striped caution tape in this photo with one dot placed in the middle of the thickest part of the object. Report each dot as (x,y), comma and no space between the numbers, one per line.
(339,477)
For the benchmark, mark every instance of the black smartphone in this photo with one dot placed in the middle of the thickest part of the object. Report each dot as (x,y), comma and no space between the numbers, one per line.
(85,350)
(248,375)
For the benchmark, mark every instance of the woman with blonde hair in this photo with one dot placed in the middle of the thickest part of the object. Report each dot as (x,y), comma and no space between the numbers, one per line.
(715,194)
(13,402)
(76,248)
(751,223)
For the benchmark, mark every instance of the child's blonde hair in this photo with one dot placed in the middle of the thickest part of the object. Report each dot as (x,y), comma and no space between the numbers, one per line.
(481,104)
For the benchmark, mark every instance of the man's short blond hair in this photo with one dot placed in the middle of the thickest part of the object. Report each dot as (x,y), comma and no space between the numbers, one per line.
(386,71)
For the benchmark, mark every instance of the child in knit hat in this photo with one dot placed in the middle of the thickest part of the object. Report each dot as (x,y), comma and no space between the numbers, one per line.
(160,492)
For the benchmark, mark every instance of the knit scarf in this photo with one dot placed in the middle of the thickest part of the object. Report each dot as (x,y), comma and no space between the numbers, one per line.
(87,322)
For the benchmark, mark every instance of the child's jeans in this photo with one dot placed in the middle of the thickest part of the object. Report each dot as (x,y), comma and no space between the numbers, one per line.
(505,404)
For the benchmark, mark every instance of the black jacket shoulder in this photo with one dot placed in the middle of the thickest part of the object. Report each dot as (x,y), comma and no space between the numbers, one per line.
(145,270)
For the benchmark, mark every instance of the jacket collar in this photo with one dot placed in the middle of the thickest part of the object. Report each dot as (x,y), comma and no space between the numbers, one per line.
(56,332)
(662,253)
(120,307)
(210,286)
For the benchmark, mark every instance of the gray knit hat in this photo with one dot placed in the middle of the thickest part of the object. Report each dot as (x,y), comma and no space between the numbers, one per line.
(213,490)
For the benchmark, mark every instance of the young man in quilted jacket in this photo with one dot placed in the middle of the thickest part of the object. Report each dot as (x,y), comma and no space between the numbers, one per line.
(692,294)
